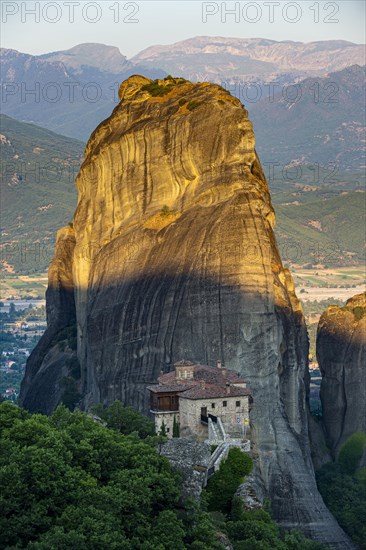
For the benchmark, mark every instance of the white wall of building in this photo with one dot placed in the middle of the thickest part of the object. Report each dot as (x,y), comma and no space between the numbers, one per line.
(168,419)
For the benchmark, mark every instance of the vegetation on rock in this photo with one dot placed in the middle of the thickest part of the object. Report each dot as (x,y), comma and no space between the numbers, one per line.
(157,90)
(343,487)
(256,530)
(222,485)
(193,105)
(351,452)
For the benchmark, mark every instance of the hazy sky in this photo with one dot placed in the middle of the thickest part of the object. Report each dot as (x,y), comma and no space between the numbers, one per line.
(132,26)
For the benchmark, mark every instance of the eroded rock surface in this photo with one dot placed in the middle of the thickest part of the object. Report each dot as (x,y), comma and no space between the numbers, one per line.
(252,491)
(175,258)
(191,459)
(341,352)
(51,360)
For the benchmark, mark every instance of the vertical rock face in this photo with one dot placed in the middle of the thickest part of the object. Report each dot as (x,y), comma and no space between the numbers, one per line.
(41,389)
(175,258)
(341,351)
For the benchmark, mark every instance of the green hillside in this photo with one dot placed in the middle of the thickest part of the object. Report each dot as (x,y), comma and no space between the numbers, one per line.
(321,226)
(38,195)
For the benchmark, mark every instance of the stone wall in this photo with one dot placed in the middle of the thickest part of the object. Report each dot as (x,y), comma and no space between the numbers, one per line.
(168,419)
(190,413)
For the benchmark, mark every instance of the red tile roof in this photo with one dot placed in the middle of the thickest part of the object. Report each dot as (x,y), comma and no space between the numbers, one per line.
(207,382)
(211,375)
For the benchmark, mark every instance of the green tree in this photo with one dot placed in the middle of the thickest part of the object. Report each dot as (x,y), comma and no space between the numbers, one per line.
(163,431)
(345,496)
(255,529)
(12,311)
(125,419)
(67,481)
(199,526)
(351,452)
(223,484)
(176,429)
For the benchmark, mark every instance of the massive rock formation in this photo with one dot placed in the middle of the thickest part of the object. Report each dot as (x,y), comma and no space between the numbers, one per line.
(52,360)
(341,352)
(174,258)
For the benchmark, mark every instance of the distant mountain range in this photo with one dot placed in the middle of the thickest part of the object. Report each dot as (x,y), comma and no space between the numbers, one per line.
(314,222)
(318,121)
(218,59)
(69,92)
(72,91)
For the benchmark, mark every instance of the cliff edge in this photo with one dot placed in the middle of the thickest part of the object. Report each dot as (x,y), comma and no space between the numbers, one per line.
(341,352)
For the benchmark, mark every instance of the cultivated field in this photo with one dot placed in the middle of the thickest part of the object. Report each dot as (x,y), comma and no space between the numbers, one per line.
(17,287)
(321,284)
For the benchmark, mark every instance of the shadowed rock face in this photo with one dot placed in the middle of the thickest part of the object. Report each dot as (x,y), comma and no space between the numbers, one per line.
(341,352)
(41,387)
(175,258)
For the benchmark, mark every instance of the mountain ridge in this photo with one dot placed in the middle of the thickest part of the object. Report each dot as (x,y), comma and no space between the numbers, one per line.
(81,95)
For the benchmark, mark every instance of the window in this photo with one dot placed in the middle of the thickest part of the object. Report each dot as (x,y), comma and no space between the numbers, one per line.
(224,403)
(167,430)
(212,405)
(237,404)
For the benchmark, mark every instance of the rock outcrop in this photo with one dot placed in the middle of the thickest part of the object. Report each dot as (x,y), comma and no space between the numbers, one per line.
(191,459)
(341,352)
(174,258)
(53,360)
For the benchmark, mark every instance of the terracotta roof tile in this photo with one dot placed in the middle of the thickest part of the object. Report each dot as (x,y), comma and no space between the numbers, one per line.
(211,375)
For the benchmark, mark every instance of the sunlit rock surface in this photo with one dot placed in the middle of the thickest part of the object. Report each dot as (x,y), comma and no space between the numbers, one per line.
(341,351)
(175,258)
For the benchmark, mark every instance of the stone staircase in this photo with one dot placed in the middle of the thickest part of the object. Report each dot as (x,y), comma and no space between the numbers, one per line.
(217,436)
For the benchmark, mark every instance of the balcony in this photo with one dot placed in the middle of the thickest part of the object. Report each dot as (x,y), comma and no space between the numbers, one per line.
(165,403)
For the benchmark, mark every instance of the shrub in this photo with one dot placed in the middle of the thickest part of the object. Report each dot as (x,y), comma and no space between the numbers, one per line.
(351,452)
(359,312)
(222,486)
(345,496)
(256,530)
(193,105)
(176,429)
(165,211)
(182,101)
(155,89)
(67,335)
